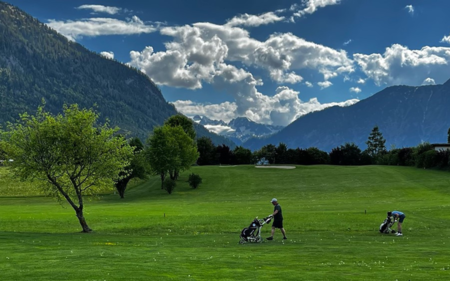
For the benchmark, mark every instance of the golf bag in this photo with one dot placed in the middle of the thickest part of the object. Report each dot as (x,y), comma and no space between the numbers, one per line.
(252,233)
(385,227)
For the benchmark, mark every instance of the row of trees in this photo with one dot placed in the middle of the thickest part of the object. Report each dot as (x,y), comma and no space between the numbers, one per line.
(423,156)
(347,154)
(73,155)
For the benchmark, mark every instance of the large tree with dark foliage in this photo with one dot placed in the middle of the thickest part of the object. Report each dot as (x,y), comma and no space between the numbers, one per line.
(207,151)
(242,156)
(70,153)
(224,154)
(347,154)
(136,169)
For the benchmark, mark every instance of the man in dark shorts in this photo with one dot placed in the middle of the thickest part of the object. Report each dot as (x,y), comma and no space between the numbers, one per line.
(277,219)
(400,217)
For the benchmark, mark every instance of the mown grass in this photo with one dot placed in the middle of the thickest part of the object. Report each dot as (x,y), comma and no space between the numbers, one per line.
(332,215)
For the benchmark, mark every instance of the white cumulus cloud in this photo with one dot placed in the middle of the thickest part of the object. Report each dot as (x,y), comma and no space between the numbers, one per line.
(101,9)
(220,129)
(208,53)
(253,20)
(109,55)
(281,109)
(311,6)
(324,84)
(100,26)
(429,81)
(355,90)
(402,66)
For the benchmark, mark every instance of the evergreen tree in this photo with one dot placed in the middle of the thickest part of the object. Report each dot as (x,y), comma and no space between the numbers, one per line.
(448,137)
(376,142)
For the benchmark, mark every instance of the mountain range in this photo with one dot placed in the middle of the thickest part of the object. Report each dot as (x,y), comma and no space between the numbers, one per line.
(405,115)
(38,63)
(238,130)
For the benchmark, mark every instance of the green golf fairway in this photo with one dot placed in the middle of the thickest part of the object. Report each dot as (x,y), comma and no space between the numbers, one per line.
(331,216)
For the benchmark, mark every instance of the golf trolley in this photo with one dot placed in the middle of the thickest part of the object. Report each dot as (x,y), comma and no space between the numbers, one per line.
(252,234)
(385,227)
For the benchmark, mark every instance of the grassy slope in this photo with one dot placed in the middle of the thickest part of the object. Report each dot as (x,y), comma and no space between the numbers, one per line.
(332,215)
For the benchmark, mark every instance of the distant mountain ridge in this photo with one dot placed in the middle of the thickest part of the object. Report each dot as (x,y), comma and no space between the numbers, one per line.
(36,62)
(405,115)
(238,130)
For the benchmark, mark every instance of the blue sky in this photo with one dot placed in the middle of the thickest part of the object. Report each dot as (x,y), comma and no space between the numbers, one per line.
(270,61)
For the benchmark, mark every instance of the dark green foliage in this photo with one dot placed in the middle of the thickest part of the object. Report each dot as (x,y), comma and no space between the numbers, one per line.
(194,180)
(290,156)
(389,158)
(419,154)
(303,157)
(183,122)
(348,154)
(405,157)
(225,154)
(280,153)
(376,143)
(318,156)
(443,158)
(366,159)
(136,169)
(242,156)
(268,152)
(169,185)
(429,159)
(207,151)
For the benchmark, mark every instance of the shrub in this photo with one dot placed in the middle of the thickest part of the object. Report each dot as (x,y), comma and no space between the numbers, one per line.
(419,154)
(405,157)
(443,158)
(429,160)
(194,180)
(169,185)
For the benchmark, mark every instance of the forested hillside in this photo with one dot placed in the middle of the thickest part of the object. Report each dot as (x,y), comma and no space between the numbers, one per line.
(38,63)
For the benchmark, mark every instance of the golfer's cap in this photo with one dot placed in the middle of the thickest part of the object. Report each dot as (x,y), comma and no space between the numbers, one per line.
(274,200)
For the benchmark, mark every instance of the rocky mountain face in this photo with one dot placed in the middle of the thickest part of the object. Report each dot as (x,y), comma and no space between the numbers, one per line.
(238,130)
(38,63)
(405,115)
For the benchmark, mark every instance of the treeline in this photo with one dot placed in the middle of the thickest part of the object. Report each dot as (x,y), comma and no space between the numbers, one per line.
(422,156)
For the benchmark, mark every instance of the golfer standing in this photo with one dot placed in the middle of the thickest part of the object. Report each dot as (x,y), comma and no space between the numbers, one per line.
(398,216)
(277,219)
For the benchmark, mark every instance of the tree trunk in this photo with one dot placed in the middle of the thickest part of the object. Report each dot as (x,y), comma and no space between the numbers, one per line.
(172,175)
(83,223)
(163,176)
(121,185)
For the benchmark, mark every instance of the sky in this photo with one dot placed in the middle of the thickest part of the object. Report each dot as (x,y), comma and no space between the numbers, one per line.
(269,61)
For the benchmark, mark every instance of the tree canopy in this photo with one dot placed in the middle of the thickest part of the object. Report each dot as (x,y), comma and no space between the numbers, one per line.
(170,151)
(70,153)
